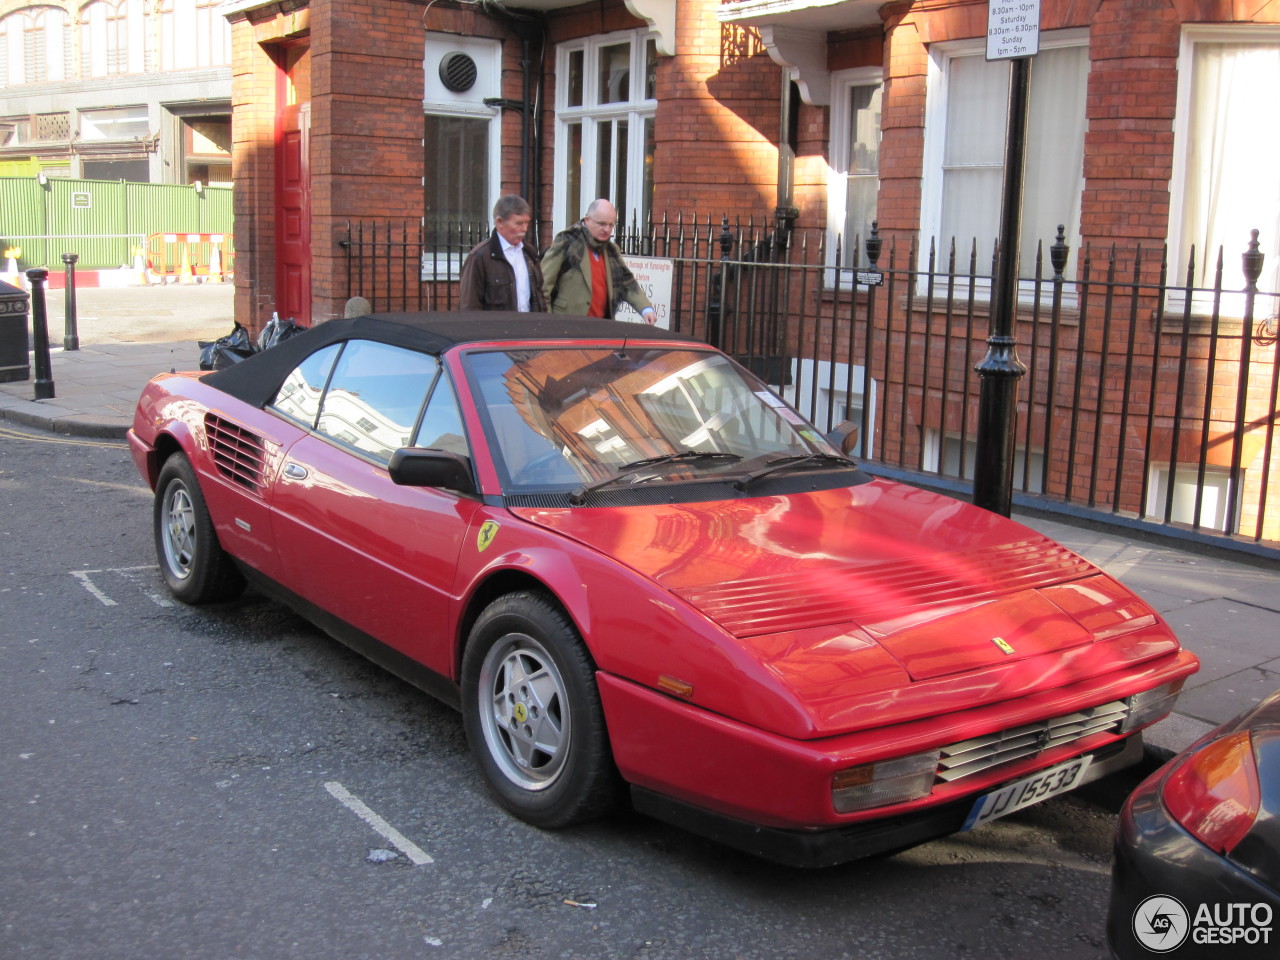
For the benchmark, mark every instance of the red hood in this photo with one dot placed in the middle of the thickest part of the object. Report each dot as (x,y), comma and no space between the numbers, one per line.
(942,586)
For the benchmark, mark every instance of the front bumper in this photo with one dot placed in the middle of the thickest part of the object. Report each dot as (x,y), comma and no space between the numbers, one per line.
(827,848)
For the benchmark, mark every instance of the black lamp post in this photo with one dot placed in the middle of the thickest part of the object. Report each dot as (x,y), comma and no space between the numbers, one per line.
(1001,369)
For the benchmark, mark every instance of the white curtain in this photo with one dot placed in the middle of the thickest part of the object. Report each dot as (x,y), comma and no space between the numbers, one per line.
(1055,153)
(973,161)
(862,174)
(1233,175)
(973,154)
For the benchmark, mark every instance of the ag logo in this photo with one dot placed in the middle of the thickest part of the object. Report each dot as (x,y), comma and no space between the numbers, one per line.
(1161,923)
(1005,646)
(488,530)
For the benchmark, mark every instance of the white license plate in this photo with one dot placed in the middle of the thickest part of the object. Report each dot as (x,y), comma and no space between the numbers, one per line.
(1028,791)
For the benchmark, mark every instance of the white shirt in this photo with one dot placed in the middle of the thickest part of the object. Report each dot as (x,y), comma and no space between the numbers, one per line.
(514,253)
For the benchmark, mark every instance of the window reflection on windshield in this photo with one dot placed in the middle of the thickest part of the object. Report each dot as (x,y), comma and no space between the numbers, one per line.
(568,416)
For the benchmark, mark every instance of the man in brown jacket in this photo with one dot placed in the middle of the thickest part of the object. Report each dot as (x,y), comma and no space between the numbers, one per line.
(502,272)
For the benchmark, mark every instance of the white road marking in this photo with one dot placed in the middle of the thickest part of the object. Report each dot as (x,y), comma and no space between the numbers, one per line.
(129,573)
(83,577)
(388,832)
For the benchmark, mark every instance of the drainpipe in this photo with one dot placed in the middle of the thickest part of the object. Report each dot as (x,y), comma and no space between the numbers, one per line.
(785,213)
(527,28)
(526,105)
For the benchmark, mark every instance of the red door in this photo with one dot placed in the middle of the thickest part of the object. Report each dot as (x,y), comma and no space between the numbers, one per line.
(293,194)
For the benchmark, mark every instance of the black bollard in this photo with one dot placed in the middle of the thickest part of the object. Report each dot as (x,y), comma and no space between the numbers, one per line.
(70,335)
(40,334)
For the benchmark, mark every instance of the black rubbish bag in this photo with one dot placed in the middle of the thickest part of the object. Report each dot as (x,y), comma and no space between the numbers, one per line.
(278,331)
(226,351)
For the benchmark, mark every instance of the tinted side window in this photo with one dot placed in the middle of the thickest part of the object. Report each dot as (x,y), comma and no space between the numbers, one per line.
(375,395)
(442,423)
(299,395)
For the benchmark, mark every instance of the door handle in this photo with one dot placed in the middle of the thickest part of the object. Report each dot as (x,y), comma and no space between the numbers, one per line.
(295,472)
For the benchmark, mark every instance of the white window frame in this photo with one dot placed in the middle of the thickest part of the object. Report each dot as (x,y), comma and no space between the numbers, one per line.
(635,110)
(1217,494)
(1231,303)
(113,38)
(185,20)
(935,138)
(843,82)
(114,124)
(5,57)
(436,266)
(44,28)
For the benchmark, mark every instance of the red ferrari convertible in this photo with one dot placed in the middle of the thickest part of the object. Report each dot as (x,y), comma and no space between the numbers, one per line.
(637,571)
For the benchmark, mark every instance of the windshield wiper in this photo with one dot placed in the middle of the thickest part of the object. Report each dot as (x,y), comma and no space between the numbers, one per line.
(784,463)
(578,496)
(683,456)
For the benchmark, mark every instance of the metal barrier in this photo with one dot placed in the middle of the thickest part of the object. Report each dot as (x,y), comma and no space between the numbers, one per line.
(189,258)
(1146,403)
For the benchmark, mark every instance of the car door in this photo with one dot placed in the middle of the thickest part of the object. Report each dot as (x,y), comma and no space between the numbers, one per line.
(379,556)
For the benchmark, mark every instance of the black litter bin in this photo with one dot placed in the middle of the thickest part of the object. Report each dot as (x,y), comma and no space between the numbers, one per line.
(15,343)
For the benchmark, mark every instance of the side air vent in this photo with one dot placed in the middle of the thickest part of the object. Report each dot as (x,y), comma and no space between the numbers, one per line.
(457,72)
(238,454)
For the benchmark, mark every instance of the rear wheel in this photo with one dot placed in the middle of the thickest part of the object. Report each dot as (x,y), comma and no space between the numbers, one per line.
(532,713)
(193,563)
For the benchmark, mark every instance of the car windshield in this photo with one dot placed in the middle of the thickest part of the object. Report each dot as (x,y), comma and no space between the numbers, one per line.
(577,419)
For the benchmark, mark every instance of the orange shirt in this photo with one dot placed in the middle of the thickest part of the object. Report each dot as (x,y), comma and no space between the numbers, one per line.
(599,285)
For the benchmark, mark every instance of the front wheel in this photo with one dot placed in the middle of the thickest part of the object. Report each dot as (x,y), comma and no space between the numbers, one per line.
(192,562)
(532,713)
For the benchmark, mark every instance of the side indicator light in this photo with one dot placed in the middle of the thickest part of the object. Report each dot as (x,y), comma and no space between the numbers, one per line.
(677,687)
(884,782)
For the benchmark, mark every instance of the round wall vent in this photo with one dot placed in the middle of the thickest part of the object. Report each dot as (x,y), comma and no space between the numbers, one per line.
(457,72)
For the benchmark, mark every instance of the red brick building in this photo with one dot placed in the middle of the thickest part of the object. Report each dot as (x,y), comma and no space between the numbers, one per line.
(1151,122)
(671,106)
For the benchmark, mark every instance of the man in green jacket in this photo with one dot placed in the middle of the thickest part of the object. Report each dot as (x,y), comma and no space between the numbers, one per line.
(583,271)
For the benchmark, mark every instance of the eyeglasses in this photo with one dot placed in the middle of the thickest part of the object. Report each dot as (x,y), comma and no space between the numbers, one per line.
(608,224)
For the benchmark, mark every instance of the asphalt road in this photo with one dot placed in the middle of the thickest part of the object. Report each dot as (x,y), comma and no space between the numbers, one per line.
(228,782)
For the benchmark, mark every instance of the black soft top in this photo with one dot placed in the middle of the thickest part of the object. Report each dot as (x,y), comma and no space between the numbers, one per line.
(256,379)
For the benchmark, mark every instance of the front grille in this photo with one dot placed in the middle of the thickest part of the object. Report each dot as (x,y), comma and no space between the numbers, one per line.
(238,454)
(978,754)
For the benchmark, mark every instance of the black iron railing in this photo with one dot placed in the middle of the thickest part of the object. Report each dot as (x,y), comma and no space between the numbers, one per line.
(1145,403)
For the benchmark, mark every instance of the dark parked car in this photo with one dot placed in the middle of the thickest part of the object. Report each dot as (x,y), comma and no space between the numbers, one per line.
(1197,851)
(638,571)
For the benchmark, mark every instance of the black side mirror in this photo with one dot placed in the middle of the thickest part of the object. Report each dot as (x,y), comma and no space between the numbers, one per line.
(423,467)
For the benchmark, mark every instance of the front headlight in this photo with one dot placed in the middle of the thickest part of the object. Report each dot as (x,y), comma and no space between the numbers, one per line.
(884,782)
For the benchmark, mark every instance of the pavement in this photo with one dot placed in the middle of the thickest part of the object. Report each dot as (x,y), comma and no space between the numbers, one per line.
(1226,611)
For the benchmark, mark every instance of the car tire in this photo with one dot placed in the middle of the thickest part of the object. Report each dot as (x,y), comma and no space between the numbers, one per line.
(532,713)
(194,566)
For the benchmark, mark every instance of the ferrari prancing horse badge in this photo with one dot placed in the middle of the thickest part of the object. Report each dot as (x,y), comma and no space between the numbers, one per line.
(488,530)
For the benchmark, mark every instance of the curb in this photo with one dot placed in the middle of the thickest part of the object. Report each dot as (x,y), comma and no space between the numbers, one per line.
(31,413)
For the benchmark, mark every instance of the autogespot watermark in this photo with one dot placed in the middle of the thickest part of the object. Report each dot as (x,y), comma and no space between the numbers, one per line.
(1162,924)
